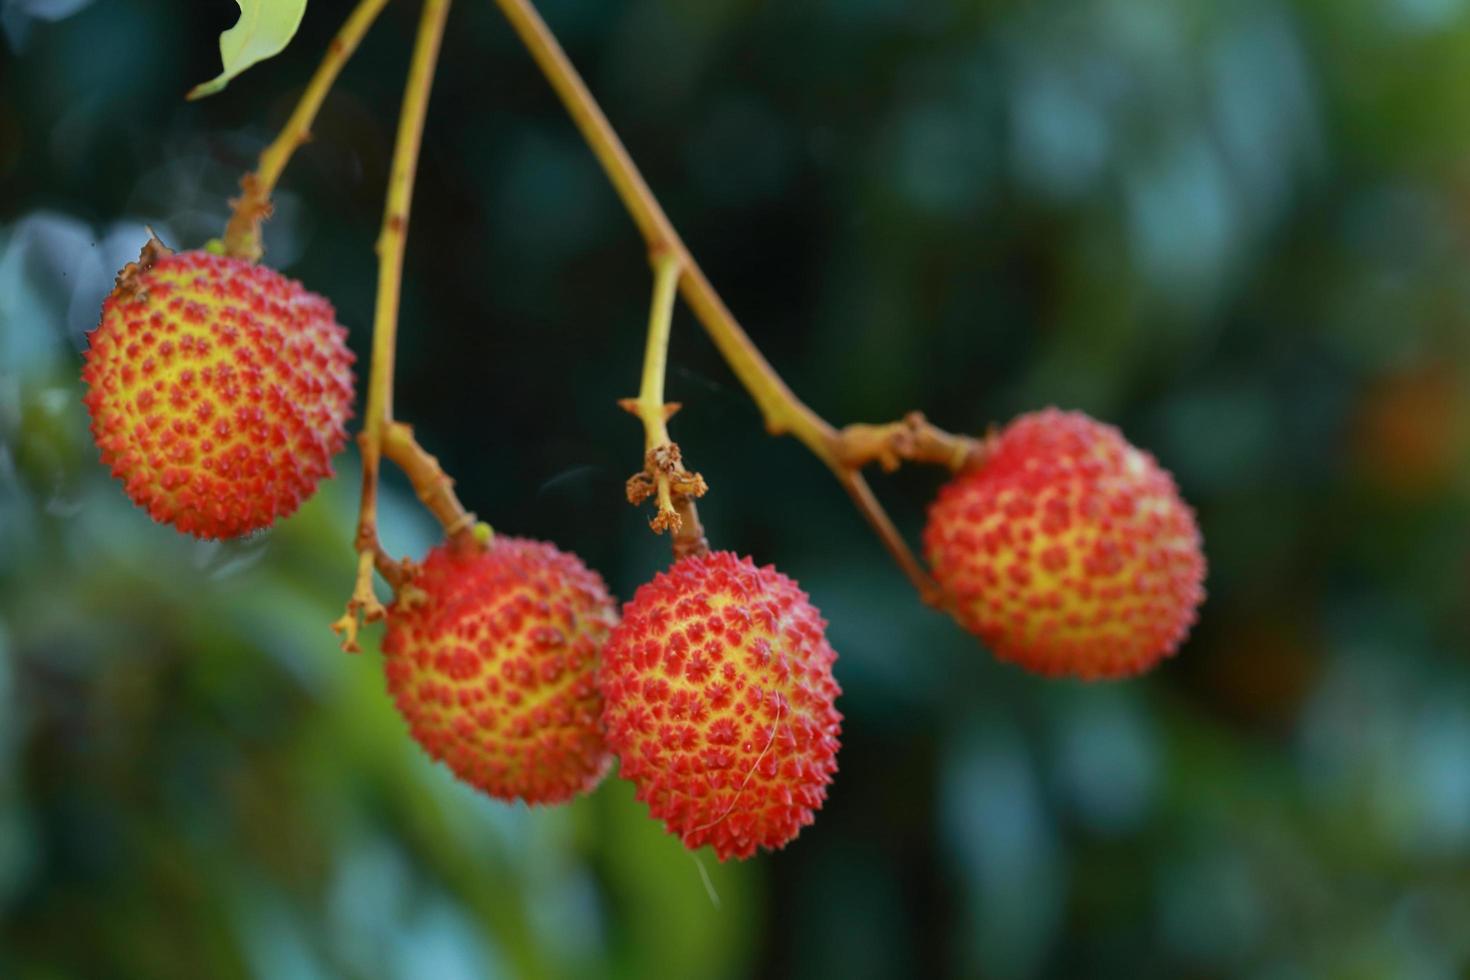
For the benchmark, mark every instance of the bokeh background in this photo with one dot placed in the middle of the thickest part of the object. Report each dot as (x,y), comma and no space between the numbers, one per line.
(1239,228)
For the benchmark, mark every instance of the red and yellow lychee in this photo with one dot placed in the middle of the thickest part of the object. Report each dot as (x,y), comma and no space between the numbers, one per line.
(493,665)
(218,390)
(1067,550)
(720,703)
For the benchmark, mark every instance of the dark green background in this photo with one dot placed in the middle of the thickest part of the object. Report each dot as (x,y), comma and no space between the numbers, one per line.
(1240,229)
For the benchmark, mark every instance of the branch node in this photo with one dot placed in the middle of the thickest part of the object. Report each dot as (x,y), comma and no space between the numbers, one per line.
(911,439)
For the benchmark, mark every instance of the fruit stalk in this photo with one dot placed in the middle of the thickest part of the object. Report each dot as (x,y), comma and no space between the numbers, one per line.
(242,234)
(651,409)
(782,410)
(390,249)
(434,487)
(663,476)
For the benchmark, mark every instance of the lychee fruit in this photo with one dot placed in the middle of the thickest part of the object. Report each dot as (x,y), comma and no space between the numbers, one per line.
(491,657)
(720,703)
(1067,550)
(218,390)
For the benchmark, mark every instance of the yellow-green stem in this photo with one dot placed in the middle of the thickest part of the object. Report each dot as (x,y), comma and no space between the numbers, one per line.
(673,486)
(656,353)
(655,360)
(242,234)
(394,233)
(390,248)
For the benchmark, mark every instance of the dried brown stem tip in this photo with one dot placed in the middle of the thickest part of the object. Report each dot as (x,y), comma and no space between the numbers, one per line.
(252,208)
(912,439)
(664,477)
(364,606)
(126,283)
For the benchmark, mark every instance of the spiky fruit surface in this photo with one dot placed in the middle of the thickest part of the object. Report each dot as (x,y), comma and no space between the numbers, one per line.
(1068,551)
(720,703)
(218,391)
(494,668)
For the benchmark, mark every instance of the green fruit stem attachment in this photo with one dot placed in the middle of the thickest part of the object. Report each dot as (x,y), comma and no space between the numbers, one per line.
(663,476)
(381,435)
(844,452)
(242,235)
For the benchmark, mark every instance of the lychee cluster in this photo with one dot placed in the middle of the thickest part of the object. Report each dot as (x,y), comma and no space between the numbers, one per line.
(720,703)
(1068,551)
(218,390)
(493,665)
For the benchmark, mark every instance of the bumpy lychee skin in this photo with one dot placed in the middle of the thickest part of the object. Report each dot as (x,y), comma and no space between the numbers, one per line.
(720,703)
(1068,551)
(218,391)
(494,668)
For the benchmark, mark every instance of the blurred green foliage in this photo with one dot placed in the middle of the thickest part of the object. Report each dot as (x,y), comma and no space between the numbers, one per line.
(1239,229)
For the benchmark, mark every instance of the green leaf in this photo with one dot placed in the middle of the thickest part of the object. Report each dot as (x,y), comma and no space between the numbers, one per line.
(265,27)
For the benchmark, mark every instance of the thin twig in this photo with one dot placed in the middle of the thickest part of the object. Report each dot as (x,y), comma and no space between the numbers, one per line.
(242,234)
(434,487)
(390,248)
(663,476)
